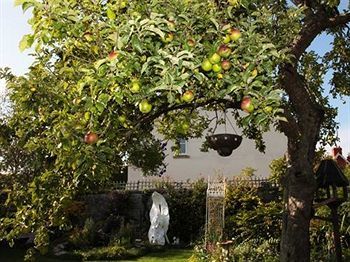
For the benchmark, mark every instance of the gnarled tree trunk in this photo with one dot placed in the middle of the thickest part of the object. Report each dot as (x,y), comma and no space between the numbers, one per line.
(302,130)
(298,198)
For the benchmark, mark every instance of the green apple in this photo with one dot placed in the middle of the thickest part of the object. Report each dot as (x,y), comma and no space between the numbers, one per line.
(215,58)
(88,36)
(145,107)
(183,128)
(234,3)
(226,39)
(235,34)
(254,73)
(187,96)
(135,86)
(217,68)
(206,65)
(123,4)
(247,105)
(268,109)
(168,38)
(122,118)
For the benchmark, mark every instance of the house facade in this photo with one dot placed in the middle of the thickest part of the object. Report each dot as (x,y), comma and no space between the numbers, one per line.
(193,164)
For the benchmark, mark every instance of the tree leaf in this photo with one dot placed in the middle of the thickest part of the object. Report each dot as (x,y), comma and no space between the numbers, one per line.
(19,2)
(26,42)
(110,14)
(155,30)
(215,23)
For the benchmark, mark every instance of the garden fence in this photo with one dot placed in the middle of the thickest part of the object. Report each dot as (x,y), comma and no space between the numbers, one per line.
(142,185)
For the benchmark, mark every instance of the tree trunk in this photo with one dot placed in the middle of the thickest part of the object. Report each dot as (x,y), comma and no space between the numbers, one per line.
(302,130)
(298,197)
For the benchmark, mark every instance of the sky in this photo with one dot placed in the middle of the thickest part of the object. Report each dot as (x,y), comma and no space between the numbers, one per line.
(13,25)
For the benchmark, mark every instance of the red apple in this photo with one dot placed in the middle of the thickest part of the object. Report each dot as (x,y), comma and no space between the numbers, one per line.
(226,64)
(112,55)
(235,34)
(246,104)
(90,138)
(224,51)
(191,42)
(187,96)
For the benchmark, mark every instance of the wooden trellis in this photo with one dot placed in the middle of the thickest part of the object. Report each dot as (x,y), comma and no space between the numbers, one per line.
(215,212)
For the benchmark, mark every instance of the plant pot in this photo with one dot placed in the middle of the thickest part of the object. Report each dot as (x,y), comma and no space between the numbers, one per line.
(224,144)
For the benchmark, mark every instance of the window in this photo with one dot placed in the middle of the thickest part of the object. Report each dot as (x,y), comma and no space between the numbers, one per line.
(183,146)
(182,151)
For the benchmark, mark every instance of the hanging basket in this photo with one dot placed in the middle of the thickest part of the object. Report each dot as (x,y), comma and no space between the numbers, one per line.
(224,144)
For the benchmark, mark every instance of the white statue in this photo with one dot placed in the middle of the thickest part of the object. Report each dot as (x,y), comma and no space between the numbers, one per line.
(159,217)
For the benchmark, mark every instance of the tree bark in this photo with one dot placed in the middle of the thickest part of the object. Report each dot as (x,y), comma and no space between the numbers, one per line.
(299,190)
(302,130)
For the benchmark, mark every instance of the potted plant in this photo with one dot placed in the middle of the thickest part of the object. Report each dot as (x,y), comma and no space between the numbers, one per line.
(224,144)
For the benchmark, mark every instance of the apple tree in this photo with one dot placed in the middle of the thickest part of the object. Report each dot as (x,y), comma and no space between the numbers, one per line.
(109,74)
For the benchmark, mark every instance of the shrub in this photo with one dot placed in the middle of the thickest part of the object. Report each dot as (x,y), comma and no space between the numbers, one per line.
(247,216)
(84,237)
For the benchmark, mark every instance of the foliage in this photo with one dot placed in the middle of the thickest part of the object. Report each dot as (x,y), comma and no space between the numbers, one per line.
(250,250)
(120,69)
(85,237)
(278,170)
(98,220)
(321,234)
(249,217)
(88,59)
(247,172)
(253,221)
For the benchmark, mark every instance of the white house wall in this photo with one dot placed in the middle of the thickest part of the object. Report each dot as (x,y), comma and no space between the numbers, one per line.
(204,164)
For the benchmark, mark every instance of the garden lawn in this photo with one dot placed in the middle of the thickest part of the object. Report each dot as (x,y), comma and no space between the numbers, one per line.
(178,255)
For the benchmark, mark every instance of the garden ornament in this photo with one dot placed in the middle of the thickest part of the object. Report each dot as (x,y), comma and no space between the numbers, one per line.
(159,218)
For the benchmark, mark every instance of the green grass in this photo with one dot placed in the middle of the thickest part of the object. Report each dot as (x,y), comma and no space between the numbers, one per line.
(17,255)
(172,255)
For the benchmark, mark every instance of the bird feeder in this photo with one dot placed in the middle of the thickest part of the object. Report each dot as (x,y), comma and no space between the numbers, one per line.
(331,191)
(331,182)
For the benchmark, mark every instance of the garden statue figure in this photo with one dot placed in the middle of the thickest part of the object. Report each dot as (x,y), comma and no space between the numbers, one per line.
(159,218)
